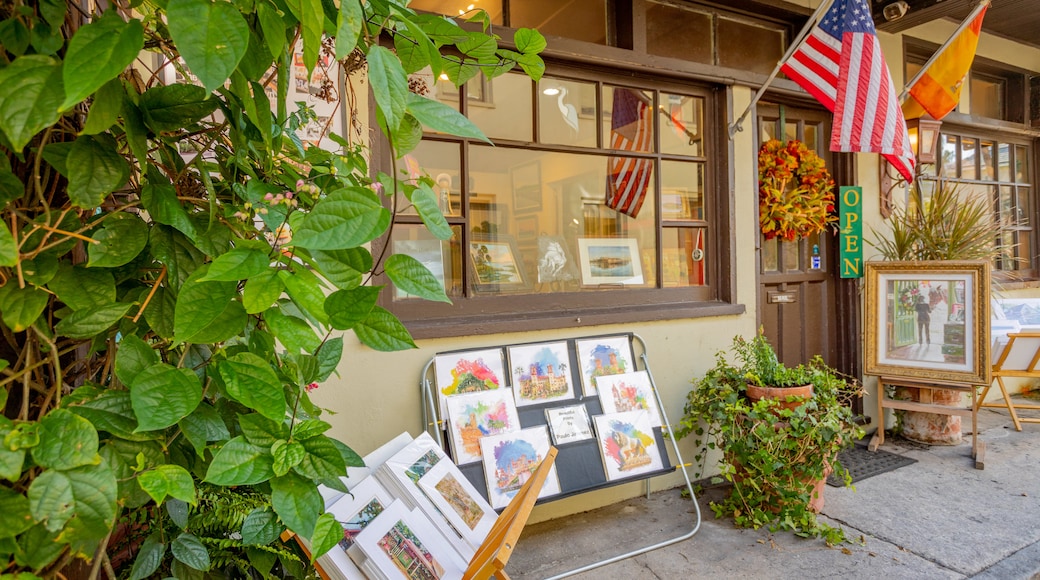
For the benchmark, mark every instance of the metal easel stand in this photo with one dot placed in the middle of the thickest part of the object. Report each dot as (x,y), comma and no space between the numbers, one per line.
(432,421)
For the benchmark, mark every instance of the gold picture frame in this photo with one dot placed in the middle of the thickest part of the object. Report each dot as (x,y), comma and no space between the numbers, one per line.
(928,320)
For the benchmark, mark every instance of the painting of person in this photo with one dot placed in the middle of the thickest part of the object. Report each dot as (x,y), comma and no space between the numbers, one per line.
(924,320)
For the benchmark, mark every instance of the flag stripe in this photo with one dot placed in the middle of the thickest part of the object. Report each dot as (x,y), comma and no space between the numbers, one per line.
(631,130)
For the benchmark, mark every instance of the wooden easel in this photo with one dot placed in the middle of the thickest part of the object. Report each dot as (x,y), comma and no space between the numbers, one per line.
(1018,359)
(493,554)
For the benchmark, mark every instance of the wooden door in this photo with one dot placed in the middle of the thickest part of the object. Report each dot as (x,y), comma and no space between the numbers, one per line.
(798,281)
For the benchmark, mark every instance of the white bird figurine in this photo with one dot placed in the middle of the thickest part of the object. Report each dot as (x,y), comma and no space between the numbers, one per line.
(570,114)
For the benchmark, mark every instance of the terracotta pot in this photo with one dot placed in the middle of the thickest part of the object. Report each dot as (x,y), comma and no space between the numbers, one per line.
(781,394)
(816,499)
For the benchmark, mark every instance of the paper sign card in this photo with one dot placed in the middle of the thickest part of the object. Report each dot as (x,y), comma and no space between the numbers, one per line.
(540,372)
(628,445)
(569,424)
(510,460)
(458,373)
(602,356)
(628,392)
(459,502)
(477,415)
(404,544)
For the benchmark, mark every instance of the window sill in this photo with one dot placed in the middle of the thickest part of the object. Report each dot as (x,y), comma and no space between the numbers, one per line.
(579,318)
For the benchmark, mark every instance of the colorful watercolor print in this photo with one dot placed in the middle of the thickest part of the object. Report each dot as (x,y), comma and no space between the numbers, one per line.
(478,415)
(460,501)
(418,469)
(469,372)
(628,444)
(409,554)
(540,372)
(511,459)
(628,392)
(354,525)
(601,357)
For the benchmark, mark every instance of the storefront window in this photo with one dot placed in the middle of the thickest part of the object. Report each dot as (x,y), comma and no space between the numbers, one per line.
(610,203)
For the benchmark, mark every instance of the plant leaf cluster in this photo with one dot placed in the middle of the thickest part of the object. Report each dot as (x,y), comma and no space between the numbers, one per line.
(772,456)
(177,268)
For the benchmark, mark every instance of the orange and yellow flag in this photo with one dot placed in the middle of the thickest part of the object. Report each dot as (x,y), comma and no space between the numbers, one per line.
(938,91)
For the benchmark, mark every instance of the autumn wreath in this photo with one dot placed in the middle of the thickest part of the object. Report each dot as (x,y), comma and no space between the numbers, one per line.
(795,191)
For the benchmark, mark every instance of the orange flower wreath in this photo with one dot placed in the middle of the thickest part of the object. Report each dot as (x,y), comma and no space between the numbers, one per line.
(795,191)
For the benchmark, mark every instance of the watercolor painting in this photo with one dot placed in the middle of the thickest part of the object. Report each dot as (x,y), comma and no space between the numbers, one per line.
(355,511)
(353,526)
(402,543)
(425,463)
(628,445)
(409,554)
(610,355)
(461,504)
(468,372)
(511,459)
(628,392)
(477,415)
(610,261)
(541,372)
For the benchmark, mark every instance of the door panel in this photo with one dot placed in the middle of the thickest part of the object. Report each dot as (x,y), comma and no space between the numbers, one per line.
(797,300)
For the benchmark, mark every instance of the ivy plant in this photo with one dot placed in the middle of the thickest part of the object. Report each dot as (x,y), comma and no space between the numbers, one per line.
(177,268)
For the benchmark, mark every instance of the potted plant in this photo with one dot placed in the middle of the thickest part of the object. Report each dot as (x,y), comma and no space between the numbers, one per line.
(777,451)
(795,191)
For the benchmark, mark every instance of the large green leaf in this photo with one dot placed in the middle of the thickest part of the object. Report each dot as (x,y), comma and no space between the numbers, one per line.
(311,17)
(111,411)
(38,547)
(529,41)
(328,355)
(168,480)
(133,356)
(11,187)
(228,324)
(20,307)
(162,395)
(8,247)
(51,500)
(211,37)
(202,426)
(104,111)
(148,558)
(251,381)
(66,441)
(344,268)
(389,84)
(294,333)
(125,459)
(287,454)
(240,463)
(408,135)
(80,287)
(15,516)
(305,290)
(189,549)
(91,322)
(348,27)
(346,308)
(237,264)
(440,117)
(98,52)
(382,331)
(95,490)
(173,107)
(160,199)
(261,527)
(31,92)
(322,459)
(297,501)
(425,202)
(345,219)
(95,169)
(411,276)
(121,239)
(274,28)
(261,291)
(327,533)
(199,304)
(261,431)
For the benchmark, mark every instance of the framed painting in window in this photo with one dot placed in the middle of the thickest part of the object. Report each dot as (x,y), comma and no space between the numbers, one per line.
(929,320)
(527,187)
(610,261)
(496,265)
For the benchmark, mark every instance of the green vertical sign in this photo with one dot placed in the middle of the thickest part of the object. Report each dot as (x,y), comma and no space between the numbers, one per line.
(850,236)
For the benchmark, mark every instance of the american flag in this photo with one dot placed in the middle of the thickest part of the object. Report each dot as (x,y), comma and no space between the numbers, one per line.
(840,63)
(631,129)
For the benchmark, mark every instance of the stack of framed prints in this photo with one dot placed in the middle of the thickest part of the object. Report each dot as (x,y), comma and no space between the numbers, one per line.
(501,408)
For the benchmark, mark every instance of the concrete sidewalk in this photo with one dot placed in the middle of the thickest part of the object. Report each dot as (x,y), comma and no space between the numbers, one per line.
(937,518)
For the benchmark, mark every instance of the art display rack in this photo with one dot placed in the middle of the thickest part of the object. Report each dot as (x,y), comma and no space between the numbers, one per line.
(579,464)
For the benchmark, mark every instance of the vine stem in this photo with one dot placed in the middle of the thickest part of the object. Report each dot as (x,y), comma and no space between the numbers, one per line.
(148,299)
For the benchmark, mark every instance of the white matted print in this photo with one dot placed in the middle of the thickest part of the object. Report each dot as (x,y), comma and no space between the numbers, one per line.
(459,502)
(602,356)
(511,459)
(610,261)
(475,415)
(354,511)
(469,372)
(628,445)
(541,372)
(404,544)
(628,392)
(568,424)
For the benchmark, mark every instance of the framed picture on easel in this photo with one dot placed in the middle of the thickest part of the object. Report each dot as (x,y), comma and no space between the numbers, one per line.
(928,320)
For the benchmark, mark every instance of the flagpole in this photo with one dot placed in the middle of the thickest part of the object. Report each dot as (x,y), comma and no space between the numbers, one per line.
(736,126)
(967,21)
